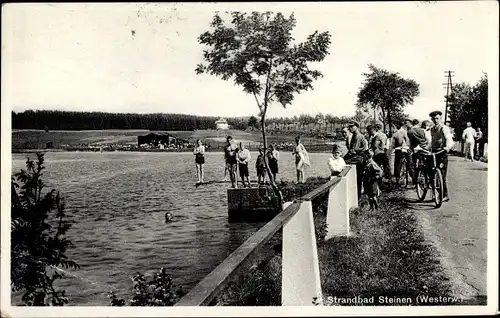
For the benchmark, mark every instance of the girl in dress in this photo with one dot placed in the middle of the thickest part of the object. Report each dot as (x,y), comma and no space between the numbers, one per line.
(199,159)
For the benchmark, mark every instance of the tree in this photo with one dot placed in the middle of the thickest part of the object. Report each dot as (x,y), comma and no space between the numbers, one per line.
(38,242)
(388,92)
(319,119)
(253,122)
(469,103)
(256,51)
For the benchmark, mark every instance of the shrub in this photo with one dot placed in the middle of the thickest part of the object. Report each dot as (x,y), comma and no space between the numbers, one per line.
(158,291)
(38,242)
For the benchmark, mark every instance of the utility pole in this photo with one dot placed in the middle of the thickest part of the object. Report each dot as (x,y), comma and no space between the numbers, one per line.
(449,87)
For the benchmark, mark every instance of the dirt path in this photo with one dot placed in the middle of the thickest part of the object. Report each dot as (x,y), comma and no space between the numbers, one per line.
(459,228)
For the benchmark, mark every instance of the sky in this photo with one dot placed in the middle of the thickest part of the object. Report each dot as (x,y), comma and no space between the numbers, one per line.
(141,58)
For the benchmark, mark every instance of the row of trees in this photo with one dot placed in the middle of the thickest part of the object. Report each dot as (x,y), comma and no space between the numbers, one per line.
(65,120)
(323,122)
(469,103)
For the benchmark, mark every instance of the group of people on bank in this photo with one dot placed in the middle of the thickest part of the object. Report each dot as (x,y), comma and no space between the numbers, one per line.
(237,159)
(370,155)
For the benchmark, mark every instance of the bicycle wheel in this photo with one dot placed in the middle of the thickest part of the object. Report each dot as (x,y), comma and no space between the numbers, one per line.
(403,174)
(438,188)
(421,185)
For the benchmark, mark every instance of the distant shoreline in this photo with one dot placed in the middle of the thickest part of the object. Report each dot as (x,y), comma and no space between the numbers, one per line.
(311,149)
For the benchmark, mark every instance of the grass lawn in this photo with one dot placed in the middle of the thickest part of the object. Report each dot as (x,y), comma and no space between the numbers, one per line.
(386,256)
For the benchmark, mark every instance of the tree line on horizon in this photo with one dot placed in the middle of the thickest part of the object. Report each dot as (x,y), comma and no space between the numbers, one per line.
(70,120)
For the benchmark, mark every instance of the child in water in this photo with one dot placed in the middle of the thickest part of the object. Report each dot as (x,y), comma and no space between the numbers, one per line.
(371,175)
(260,166)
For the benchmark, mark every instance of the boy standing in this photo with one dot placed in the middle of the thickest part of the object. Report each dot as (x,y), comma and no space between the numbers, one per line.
(371,177)
(260,166)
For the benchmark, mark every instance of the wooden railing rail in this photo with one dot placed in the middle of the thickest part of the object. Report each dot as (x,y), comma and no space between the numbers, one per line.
(300,271)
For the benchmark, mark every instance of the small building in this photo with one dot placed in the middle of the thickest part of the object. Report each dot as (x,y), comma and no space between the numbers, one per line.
(157,138)
(222,124)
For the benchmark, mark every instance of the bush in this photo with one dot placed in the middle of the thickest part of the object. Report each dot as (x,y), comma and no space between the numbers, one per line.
(38,242)
(158,291)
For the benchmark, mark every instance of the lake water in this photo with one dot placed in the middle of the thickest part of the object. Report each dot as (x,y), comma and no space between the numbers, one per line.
(117,201)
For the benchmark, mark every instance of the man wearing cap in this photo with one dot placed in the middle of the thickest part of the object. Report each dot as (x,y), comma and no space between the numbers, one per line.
(441,139)
(347,135)
(355,152)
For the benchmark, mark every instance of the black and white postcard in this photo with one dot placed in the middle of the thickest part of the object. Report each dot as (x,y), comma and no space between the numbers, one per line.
(249,159)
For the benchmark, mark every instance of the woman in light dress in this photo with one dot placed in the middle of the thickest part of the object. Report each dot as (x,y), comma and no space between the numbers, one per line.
(301,159)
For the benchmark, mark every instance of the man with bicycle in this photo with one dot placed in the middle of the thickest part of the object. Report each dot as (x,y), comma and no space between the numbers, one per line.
(401,144)
(442,139)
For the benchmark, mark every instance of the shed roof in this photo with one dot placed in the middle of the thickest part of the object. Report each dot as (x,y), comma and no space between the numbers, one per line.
(221,121)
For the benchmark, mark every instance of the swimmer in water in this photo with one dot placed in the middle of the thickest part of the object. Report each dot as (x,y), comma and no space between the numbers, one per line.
(168,217)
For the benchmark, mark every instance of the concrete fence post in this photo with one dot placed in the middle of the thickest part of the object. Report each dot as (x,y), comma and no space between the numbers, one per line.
(485,150)
(352,187)
(301,285)
(337,216)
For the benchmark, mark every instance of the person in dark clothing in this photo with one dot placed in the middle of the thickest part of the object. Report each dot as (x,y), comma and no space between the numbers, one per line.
(378,141)
(418,137)
(441,140)
(273,157)
(230,152)
(372,173)
(260,166)
(355,152)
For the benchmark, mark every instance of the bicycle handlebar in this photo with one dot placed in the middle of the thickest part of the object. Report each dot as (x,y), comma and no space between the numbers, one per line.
(427,152)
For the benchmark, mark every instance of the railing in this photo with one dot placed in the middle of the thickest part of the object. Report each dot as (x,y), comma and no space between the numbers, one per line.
(301,285)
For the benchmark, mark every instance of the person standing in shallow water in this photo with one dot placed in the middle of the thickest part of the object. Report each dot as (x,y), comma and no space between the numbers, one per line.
(231,152)
(199,153)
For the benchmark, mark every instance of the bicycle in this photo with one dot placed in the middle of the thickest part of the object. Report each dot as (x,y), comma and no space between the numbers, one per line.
(429,176)
(403,172)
